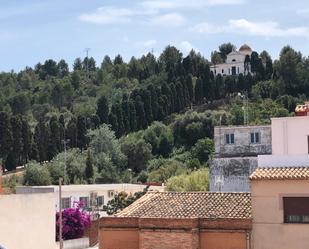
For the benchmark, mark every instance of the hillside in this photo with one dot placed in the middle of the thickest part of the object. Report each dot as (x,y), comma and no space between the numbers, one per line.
(146,120)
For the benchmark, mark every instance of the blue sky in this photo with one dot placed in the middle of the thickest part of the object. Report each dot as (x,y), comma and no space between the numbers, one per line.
(36,30)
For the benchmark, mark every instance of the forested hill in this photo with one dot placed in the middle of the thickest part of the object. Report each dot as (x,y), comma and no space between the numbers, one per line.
(41,107)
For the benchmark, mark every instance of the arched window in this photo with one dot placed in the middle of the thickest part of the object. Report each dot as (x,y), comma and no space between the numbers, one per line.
(234,60)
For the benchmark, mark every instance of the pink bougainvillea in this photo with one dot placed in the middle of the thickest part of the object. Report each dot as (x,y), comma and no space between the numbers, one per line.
(74,223)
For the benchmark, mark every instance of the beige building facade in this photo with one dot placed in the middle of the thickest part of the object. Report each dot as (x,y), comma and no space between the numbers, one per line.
(290,135)
(280,209)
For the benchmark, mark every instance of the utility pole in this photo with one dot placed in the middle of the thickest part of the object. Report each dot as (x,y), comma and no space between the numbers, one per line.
(65,142)
(60,215)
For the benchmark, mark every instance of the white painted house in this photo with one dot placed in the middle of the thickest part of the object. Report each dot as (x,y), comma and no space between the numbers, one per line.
(234,63)
(92,195)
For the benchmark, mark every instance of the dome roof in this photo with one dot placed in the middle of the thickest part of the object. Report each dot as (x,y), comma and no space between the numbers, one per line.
(245,47)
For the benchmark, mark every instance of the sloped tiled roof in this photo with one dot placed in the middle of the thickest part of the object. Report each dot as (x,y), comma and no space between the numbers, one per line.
(190,205)
(281,173)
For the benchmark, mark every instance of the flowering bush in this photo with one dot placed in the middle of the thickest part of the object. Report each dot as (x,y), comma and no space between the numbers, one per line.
(74,223)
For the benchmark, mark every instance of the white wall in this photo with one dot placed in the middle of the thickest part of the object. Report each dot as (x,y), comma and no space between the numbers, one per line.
(289,135)
(27,221)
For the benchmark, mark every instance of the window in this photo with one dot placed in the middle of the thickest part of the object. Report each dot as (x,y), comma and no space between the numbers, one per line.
(234,60)
(255,137)
(84,201)
(229,138)
(222,70)
(65,203)
(296,209)
(215,71)
(100,201)
(233,70)
(111,193)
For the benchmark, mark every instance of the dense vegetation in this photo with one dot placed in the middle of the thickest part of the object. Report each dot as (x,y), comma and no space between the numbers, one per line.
(146,120)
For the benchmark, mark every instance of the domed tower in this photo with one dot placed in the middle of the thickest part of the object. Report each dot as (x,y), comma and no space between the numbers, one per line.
(245,49)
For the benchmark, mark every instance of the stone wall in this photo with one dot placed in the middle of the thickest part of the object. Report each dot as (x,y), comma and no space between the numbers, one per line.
(231,174)
(242,141)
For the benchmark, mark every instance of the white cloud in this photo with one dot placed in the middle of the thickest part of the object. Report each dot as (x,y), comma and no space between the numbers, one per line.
(170,20)
(148,43)
(184,4)
(303,12)
(186,47)
(245,27)
(107,15)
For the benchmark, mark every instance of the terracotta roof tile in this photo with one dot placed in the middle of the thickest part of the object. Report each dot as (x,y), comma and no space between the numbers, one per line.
(281,173)
(190,205)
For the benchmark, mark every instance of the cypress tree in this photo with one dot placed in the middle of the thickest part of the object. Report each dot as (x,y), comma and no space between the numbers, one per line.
(154,102)
(121,128)
(102,109)
(133,119)
(146,98)
(113,122)
(140,113)
(41,137)
(16,153)
(6,139)
(189,85)
(89,171)
(54,140)
(81,127)
(71,132)
(27,141)
(126,113)
(198,91)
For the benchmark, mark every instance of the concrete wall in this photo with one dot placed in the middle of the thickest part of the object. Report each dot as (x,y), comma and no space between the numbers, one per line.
(269,231)
(290,135)
(81,243)
(242,145)
(231,174)
(27,221)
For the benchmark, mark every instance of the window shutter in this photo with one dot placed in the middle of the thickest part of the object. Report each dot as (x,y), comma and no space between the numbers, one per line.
(296,205)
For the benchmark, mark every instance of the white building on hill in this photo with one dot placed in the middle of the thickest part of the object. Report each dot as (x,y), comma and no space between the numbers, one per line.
(234,63)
